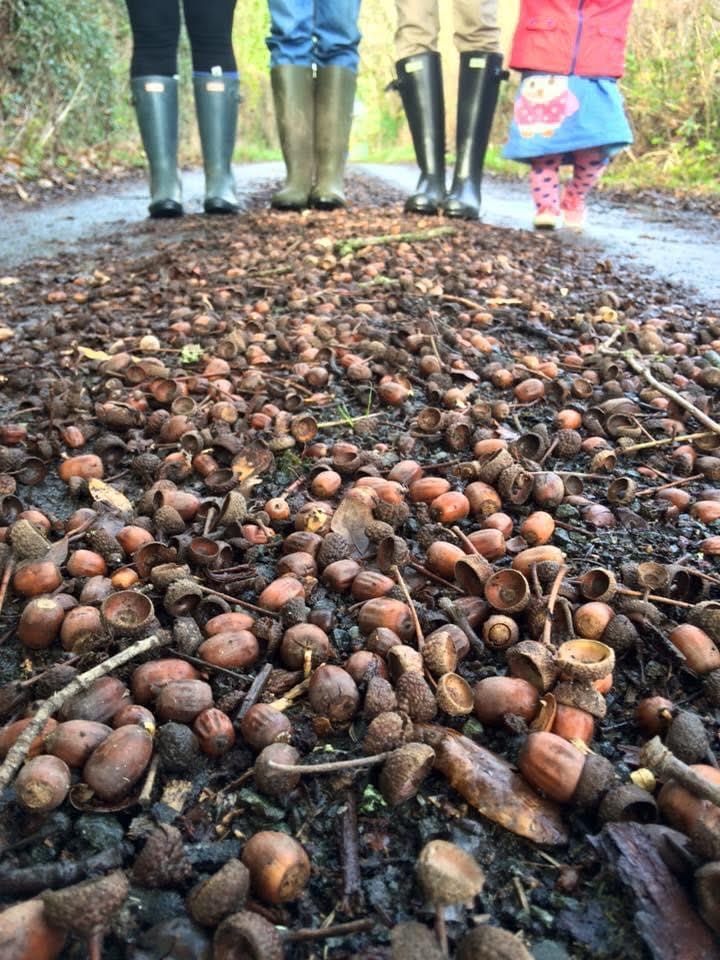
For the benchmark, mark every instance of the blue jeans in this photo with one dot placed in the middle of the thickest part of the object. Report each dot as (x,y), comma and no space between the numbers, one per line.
(322,32)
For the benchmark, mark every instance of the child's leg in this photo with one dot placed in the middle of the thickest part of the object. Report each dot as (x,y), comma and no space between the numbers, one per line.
(545,187)
(588,167)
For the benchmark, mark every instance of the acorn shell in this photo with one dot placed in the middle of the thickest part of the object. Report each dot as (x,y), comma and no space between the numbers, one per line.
(116,765)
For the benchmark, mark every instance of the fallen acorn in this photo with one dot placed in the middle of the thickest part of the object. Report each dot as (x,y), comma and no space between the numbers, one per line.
(116,765)
(42,784)
(279,866)
(247,935)
(219,895)
(562,772)
(27,934)
(74,740)
(215,732)
(263,725)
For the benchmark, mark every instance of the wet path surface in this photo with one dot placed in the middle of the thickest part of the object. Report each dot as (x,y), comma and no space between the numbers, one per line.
(681,248)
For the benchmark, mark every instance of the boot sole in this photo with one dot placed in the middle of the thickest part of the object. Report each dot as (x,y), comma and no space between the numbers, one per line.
(166,210)
(219,207)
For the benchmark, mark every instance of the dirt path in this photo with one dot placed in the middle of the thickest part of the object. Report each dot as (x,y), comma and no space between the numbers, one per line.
(645,238)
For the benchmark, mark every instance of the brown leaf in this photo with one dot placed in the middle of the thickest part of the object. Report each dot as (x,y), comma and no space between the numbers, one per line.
(491,785)
(251,461)
(351,520)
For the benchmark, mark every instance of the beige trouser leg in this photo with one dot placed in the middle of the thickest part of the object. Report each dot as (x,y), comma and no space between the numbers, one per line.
(418,27)
(476,25)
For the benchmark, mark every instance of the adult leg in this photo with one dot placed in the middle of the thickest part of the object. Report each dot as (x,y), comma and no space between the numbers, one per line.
(419,81)
(336,55)
(155,28)
(215,84)
(477,38)
(545,187)
(588,167)
(293,87)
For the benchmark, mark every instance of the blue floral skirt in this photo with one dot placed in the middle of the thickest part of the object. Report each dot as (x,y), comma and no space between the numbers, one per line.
(557,114)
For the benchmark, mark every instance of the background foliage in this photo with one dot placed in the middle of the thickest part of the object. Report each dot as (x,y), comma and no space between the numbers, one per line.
(64,93)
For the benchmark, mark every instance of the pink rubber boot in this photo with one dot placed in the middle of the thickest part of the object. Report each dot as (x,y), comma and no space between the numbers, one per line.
(588,168)
(545,187)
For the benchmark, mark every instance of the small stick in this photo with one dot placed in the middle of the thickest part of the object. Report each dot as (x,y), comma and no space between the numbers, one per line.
(332,766)
(145,797)
(656,757)
(256,688)
(208,666)
(7,575)
(463,301)
(403,586)
(466,542)
(344,247)
(460,620)
(297,691)
(324,933)
(633,362)
(349,855)
(552,598)
(441,929)
(651,596)
(432,576)
(210,520)
(240,603)
(661,443)
(609,341)
(666,486)
(19,749)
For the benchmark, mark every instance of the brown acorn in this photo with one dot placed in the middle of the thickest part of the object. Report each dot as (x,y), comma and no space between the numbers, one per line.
(404,771)
(116,765)
(332,693)
(215,732)
(42,784)
(183,700)
(100,702)
(279,867)
(162,861)
(687,737)
(263,725)
(410,940)
(273,782)
(26,933)
(220,895)
(74,740)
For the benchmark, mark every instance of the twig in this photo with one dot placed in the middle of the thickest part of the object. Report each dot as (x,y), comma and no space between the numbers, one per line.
(433,576)
(240,603)
(463,301)
(145,798)
(611,339)
(324,933)
(19,749)
(343,247)
(460,620)
(632,361)
(348,421)
(651,596)
(403,586)
(666,486)
(552,599)
(287,700)
(646,445)
(256,688)
(349,856)
(332,766)
(196,661)
(61,873)
(9,569)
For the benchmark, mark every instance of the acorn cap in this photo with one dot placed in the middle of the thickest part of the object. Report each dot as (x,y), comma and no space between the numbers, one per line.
(146,465)
(595,779)
(620,634)
(491,943)
(247,934)
(27,541)
(448,874)
(334,547)
(585,660)
(294,611)
(377,530)
(162,861)
(533,661)
(414,941)
(106,545)
(379,698)
(582,696)
(634,607)
(711,687)
(394,514)
(415,697)
(168,520)
(569,443)
(627,802)
(404,771)
(187,635)
(706,615)
(387,732)
(687,737)
(216,897)
(454,695)
(439,653)
(87,907)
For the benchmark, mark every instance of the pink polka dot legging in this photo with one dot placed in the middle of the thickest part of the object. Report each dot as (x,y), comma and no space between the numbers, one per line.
(588,166)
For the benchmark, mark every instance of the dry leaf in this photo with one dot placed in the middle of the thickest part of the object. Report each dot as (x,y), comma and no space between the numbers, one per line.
(9,281)
(106,494)
(251,461)
(351,520)
(6,334)
(93,354)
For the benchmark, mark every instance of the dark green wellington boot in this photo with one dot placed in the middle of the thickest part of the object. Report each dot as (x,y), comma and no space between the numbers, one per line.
(294,95)
(156,106)
(216,104)
(478,88)
(419,80)
(334,100)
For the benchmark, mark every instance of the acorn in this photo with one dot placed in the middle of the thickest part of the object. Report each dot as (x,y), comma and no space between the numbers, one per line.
(74,740)
(491,943)
(620,634)
(87,908)
(99,702)
(387,731)
(687,737)
(301,641)
(263,725)
(40,623)
(558,769)
(116,765)
(404,771)
(276,783)
(415,698)
(332,693)
(183,700)
(498,697)
(247,936)
(162,861)
(439,653)
(220,895)
(379,697)
(215,732)
(148,678)
(178,749)
(279,867)
(42,784)
(447,874)
(26,933)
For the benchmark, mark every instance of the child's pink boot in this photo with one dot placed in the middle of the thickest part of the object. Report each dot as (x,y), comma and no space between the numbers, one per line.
(573,210)
(547,219)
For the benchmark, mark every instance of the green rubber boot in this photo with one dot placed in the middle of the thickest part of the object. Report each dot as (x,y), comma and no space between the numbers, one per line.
(294,95)
(334,100)
(216,104)
(156,106)
(420,82)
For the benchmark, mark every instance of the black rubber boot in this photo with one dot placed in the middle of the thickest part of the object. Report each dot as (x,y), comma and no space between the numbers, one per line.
(334,101)
(156,105)
(216,104)
(293,90)
(419,80)
(478,88)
